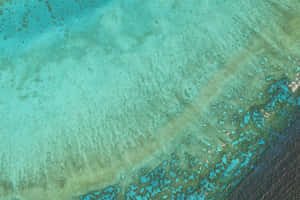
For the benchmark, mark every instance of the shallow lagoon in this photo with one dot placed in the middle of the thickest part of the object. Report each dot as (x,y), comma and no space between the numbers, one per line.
(142,100)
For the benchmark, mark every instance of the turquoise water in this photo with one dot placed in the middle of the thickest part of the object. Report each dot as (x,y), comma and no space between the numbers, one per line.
(142,99)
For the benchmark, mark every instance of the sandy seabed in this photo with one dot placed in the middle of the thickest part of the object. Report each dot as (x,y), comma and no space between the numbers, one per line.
(100,94)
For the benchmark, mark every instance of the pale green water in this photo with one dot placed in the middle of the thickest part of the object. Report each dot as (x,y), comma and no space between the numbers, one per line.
(119,86)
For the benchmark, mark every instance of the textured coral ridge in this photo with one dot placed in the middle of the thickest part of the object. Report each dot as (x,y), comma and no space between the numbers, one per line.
(89,105)
(187,177)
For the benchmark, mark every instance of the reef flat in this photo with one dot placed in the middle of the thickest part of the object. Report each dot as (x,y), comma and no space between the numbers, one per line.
(142,99)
